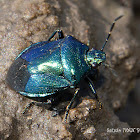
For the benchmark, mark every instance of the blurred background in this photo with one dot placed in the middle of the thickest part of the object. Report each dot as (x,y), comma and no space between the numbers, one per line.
(131,112)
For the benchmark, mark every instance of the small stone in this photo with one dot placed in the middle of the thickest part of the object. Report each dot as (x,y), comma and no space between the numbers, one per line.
(82,110)
(90,132)
(116,104)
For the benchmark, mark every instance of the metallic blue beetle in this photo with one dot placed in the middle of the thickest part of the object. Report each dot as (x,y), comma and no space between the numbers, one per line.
(47,67)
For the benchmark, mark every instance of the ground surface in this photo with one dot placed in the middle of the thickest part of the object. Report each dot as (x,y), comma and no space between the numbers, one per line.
(22,21)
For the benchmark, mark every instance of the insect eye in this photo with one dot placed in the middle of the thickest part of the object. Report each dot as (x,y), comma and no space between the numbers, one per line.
(94,65)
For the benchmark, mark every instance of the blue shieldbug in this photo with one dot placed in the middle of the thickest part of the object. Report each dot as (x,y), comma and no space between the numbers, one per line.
(46,67)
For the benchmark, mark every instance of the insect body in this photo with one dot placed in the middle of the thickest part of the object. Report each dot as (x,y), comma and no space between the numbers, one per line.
(47,67)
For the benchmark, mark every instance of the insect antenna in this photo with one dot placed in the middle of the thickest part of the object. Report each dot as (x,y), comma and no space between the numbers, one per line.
(109,33)
(113,72)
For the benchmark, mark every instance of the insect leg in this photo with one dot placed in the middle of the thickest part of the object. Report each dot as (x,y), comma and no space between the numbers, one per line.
(93,91)
(70,104)
(31,43)
(60,34)
(35,103)
(113,72)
